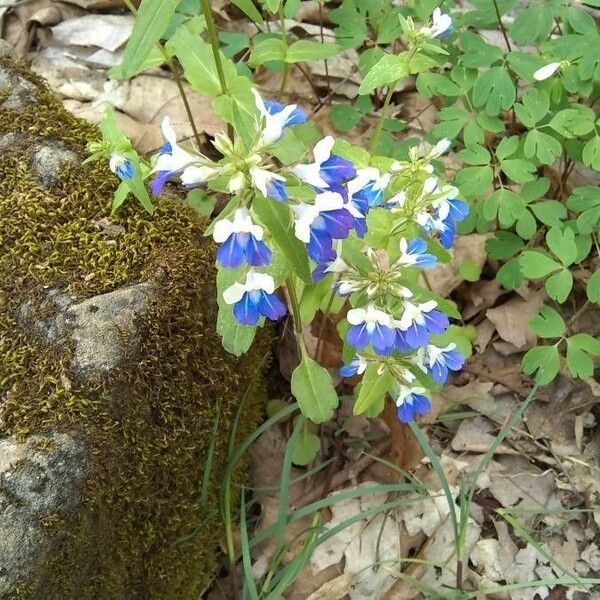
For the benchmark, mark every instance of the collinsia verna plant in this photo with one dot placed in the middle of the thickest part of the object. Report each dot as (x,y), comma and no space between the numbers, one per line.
(317,224)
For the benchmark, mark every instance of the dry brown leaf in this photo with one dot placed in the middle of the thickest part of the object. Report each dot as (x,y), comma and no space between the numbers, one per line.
(405,450)
(512,318)
(444,278)
(484,333)
(477,435)
(104,31)
(481,295)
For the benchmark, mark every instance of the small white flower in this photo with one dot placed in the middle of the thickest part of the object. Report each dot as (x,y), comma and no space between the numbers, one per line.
(310,173)
(546,71)
(306,214)
(242,223)
(177,159)
(371,316)
(254,281)
(194,175)
(236,183)
(413,313)
(261,178)
(441,25)
(274,124)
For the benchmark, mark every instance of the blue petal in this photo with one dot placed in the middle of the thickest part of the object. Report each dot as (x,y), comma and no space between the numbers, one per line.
(158,183)
(406,412)
(360,226)
(320,247)
(319,271)
(297,117)
(447,234)
(276,189)
(426,261)
(125,170)
(358,336)
(336,169)
(454,360)
(257,253)
(416,246)
(273,107)
(231,252)
(400,343)
(246,310)
(444,34)
(459,210)
(439,372)
(270,306)
(370,194)
(350,369)
(416,335)
(383,339)
(166,148)
(338,223)
(421,404)
(436,321)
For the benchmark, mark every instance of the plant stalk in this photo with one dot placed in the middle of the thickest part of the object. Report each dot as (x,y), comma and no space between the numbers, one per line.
(382,118)
(214,42)
(286,65)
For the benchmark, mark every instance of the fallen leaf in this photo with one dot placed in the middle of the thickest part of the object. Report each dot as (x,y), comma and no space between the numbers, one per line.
(104,31)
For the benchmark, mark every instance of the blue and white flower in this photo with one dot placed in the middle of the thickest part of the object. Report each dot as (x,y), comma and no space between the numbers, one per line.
(174,160)
(254,298)
(419,321)
(241,241)
(328,267)
(365,191)
(371,326)
(438,362)
(121,166)
(318,224)
(269,184)
(328,170)
(414,254)
(276,117)
(357,366)
(411,401)
(441,25)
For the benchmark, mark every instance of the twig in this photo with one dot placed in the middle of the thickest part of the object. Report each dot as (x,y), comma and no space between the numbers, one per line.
(502,28)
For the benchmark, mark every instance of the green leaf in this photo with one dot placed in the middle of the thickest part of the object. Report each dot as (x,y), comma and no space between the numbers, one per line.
(526,225)
(236,338)
(248,8)
(573,122)
(469,270)
(120,195)
(307,50)
(344,117)
(593,287)
(435,84)
(478,53)
(373,389)
(509,275)
(534,107)
(532,24)
(494,91)
(541,146)
(352,27)
(506,205)
(151,22)
(548,323)
(549,212)
(559,285)
(591,153)
(306,448)
(504,245)
(536,264)
(578,348)
(137,186)
(474,181)
(313,388)
(518,169)
(389,69)
(525,64)
(198,62)
(202,203)
(277,220)
(475,155)
(543,359)
(265,50)
(562,243)
(452,120)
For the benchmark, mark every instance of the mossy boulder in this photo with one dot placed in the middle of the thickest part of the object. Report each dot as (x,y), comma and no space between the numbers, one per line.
(111,373)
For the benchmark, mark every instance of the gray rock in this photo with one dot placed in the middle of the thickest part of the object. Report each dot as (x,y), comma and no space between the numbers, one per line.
(49,160)
(6,49)
(21,92)
(39,478)
(104,329)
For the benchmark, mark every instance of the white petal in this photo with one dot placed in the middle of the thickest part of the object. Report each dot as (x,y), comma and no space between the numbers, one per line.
(260,105)
(223,229)
(260,281)
(430,185)
(427,306)
(442,146)
(322,149)
(356,316)
(234,293)
(328,201)
(116,161)
(546,71)
(310,174)
(194,175)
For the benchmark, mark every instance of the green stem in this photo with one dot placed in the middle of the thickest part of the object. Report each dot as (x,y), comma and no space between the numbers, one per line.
(382,117)
(294,306)
(286,65)
(214,42)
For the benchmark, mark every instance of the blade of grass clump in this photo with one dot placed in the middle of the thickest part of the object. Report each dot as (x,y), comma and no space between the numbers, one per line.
(522,531)
(249,583)
(548,582)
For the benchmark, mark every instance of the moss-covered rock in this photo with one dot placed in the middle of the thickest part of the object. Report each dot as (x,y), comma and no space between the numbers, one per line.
(108,345)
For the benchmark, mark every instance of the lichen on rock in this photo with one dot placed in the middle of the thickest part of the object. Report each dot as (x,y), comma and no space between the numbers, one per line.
(107,336)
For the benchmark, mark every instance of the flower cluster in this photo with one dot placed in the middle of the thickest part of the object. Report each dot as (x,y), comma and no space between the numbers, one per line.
(330,204)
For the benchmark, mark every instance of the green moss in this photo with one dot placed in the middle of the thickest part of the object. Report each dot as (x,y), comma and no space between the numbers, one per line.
(150,424)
